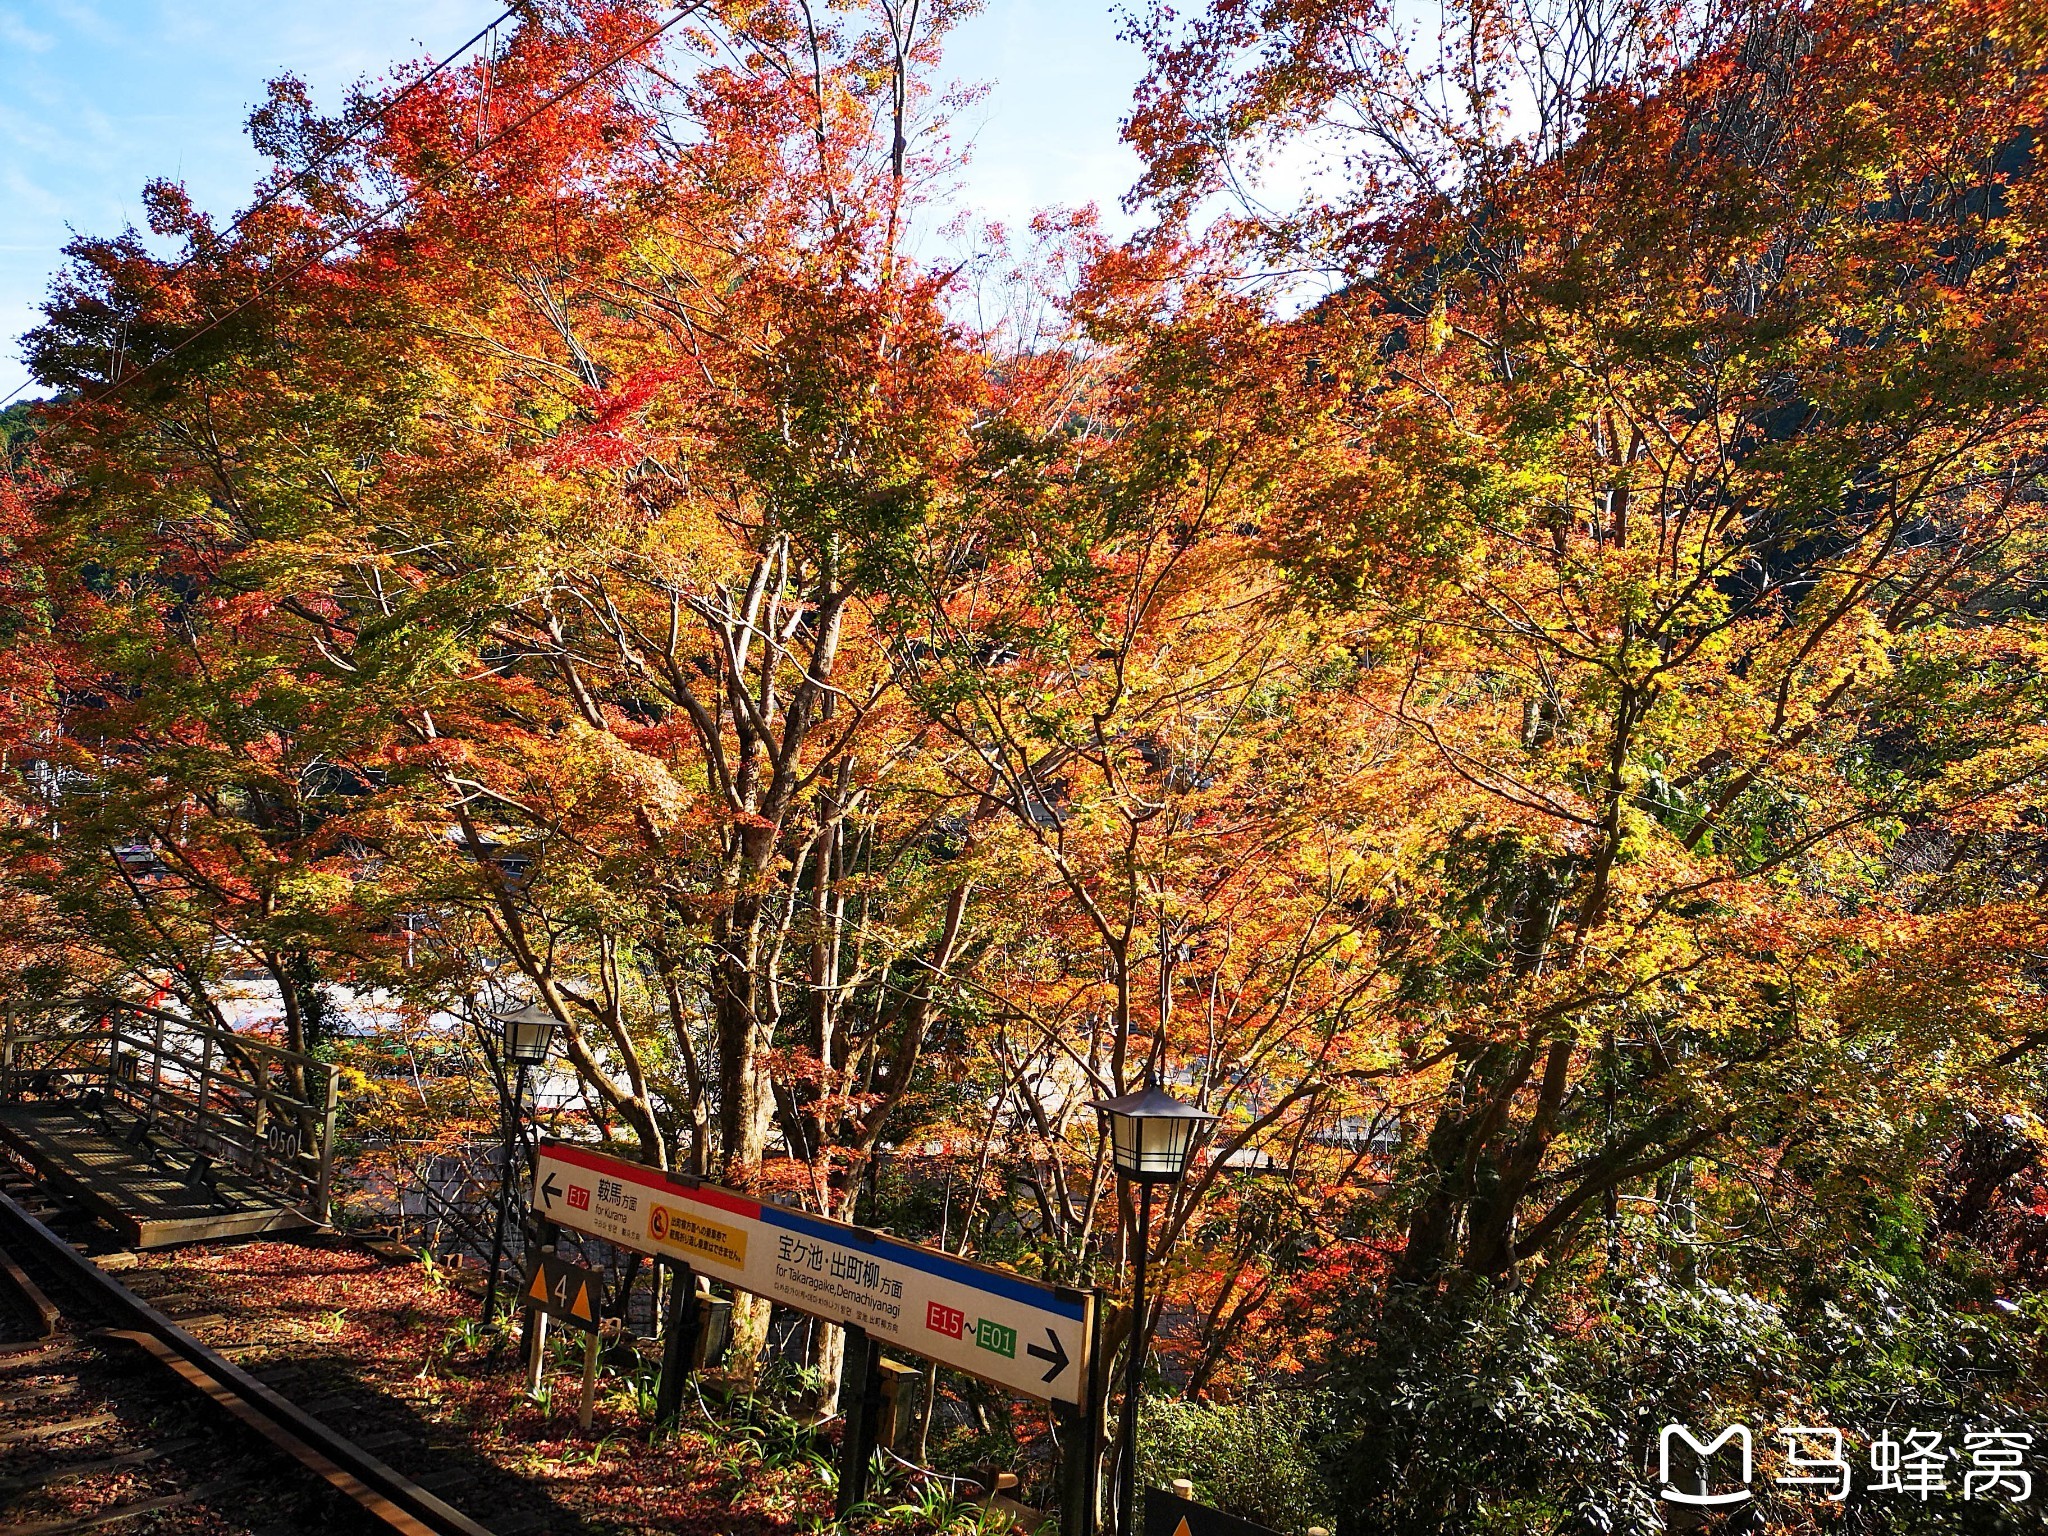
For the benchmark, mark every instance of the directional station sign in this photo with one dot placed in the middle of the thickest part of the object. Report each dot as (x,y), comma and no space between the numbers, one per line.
(1017,1333)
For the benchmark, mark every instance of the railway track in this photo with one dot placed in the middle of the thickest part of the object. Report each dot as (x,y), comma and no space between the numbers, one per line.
(114,1417)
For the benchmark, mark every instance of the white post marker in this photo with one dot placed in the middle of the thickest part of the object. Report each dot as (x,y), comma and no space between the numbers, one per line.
(1019,1334)
(587,1403)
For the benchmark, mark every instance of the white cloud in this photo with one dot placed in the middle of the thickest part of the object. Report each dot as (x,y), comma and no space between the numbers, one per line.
(16,33)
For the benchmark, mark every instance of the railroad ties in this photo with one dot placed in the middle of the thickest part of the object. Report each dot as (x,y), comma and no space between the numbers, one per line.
(99,1426)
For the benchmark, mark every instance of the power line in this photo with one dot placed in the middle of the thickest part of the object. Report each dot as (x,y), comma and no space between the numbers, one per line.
(325,157)
(269,200)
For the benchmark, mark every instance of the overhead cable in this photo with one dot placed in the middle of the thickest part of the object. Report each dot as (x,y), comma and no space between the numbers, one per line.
(363,225)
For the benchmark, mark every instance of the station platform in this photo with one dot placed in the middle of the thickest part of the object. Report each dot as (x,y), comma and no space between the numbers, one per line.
(151,1201)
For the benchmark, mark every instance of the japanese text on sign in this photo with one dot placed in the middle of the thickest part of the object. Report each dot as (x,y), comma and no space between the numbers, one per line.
(1020,1334)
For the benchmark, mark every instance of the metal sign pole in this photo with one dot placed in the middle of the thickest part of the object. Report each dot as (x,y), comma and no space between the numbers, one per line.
(1081,1436)
(1134,1374)
(862,1375)
(871,1396)
(504,1195)
(678,1340)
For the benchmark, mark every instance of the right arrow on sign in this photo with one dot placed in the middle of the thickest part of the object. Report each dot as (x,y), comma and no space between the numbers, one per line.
(1057,1354)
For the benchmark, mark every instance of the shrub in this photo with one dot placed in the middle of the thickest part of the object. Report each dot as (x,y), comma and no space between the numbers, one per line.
(1256,1459)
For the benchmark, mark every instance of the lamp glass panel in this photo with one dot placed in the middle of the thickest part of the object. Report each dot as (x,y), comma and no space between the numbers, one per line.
(1123,1130)
(1152,1149)
(1163,1153)
(526,1039)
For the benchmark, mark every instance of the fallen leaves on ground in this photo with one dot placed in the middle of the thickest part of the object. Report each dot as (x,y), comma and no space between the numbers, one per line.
(392,1340)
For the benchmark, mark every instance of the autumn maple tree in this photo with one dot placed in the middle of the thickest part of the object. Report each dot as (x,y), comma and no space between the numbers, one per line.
(1692,356)
(1493,646)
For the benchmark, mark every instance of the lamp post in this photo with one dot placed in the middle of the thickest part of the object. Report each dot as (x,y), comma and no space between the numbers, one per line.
(528,1032)
(1151,1139)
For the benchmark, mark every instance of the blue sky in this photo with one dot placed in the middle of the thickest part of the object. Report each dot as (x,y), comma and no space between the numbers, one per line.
(98,96)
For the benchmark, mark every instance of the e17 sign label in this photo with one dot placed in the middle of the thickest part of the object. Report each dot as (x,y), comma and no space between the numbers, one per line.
(1019,1334)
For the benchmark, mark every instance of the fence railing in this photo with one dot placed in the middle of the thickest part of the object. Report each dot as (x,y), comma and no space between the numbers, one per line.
(443,1199)
(250,1107)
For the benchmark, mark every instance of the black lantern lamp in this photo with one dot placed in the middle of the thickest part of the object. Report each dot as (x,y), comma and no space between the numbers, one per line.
(1151,1134)
(1151,1140)
(529,1031)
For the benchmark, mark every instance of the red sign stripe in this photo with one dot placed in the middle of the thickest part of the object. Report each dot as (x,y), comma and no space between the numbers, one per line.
(651,1179)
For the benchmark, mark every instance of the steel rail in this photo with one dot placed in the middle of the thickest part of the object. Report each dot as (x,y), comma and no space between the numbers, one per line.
(379,1490)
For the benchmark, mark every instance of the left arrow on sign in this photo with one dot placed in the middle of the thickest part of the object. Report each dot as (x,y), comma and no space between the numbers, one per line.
(550,1191)
(1057,1354)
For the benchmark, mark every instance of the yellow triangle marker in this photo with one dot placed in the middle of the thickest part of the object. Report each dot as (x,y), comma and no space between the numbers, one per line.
(1182,1528)
(581,1305)
(538,1291)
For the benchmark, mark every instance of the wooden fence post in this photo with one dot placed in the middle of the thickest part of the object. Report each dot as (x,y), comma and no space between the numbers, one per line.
(898,1385)
(323,1189)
